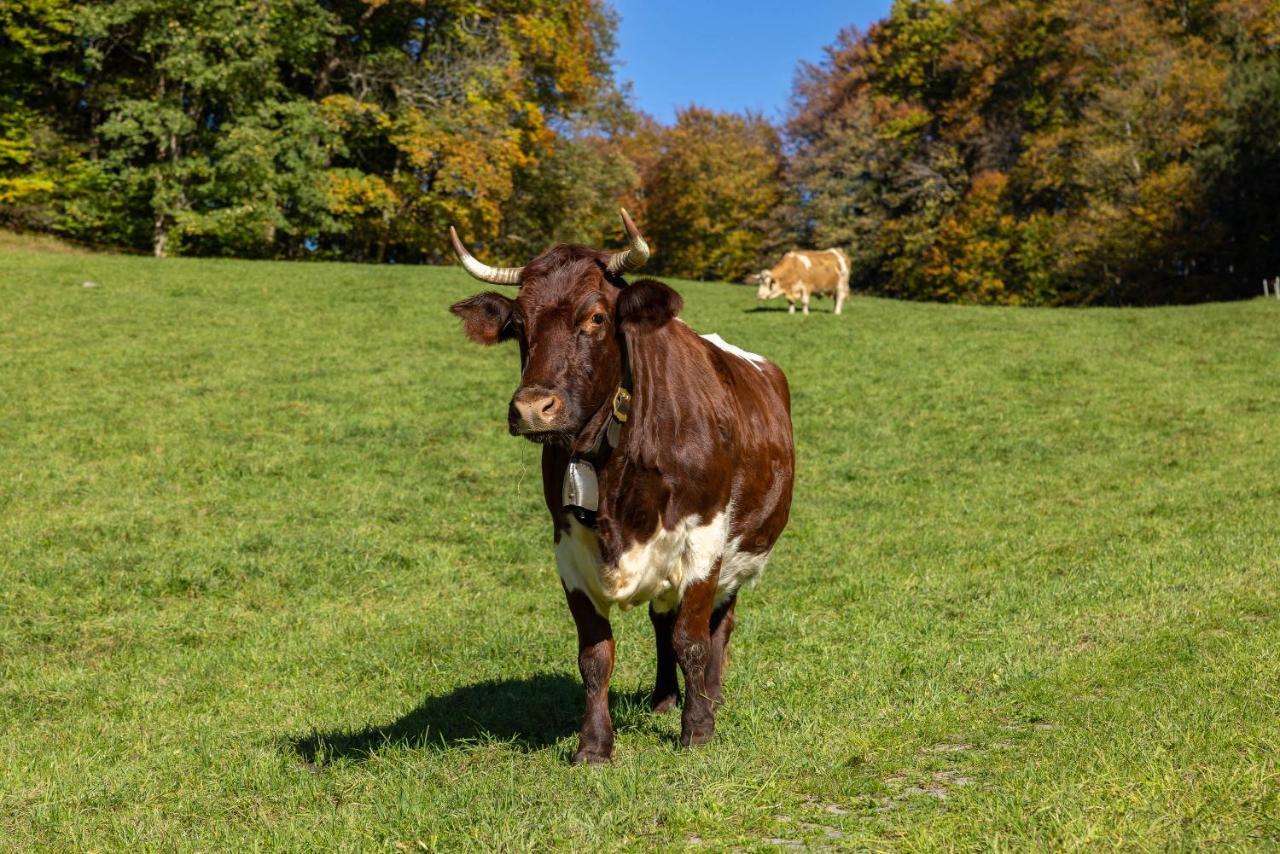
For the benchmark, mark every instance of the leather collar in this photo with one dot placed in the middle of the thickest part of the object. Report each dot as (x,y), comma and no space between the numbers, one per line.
(596,442)
(601,434)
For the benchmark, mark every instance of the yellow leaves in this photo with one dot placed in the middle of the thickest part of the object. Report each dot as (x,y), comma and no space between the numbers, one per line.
(710,190)
(1165,196)
(14,190)
(16,151)
(909,44)
(540,34)
(465,160)
(39,27)
(343,112)
(352,193)
(560,38)
(898,119)
(1259,20)
(987,188)
(973,251)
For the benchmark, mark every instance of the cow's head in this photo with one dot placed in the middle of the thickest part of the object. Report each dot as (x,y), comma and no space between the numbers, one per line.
(769,287)
(570,318)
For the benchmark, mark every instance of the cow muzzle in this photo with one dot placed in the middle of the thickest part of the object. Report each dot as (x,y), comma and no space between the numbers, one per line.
(535,411)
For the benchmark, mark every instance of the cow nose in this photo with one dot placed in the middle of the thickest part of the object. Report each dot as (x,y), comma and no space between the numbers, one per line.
(534,410)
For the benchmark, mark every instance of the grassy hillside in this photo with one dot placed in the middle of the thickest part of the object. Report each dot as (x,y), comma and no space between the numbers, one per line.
(272,573)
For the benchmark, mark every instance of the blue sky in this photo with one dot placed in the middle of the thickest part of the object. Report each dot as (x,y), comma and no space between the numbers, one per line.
(728,56)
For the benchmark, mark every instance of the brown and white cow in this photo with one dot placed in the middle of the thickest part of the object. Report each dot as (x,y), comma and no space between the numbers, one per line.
(667,463)
(801,274)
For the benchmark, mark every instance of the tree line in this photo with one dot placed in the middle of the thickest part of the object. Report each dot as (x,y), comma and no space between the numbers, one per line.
(1020,152)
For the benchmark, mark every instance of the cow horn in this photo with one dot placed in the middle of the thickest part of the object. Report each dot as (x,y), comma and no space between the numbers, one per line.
(634,256)
(480,270)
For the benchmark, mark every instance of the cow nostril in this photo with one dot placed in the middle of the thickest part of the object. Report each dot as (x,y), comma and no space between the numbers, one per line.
(535,410)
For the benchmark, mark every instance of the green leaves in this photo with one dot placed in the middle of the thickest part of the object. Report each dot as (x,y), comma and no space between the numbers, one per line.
(268,129)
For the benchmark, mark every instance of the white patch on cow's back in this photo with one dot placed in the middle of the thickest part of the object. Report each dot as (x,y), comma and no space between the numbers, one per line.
(755,359)
(805,260)
(840,262)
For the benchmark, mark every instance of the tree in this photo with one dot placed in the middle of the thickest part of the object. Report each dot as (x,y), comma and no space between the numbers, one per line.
(570,195)
(972,257)
(710,194)
(1242,165)
(1039,150)
(181,89)
(872,174)
(1028,151)
(353,127)
(446,109)
(35,37)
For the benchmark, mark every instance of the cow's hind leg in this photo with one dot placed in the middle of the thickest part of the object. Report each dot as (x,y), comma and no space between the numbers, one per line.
(666,688)
(595,663)
(692,640)
(722,621)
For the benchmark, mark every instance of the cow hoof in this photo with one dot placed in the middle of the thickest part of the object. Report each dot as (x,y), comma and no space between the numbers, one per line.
(591,757)
(696,736)
(661,704)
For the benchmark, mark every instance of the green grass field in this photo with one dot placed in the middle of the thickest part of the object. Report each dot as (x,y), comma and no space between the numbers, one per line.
(273,575)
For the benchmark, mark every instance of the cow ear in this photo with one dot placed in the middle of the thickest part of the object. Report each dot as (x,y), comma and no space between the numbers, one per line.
(647,304)
(485,317)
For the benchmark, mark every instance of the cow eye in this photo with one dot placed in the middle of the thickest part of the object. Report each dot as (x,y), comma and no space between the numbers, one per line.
(597,318)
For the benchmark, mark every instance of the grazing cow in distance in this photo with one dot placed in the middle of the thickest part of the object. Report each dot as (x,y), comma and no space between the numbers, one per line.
(801,274)
(667,463)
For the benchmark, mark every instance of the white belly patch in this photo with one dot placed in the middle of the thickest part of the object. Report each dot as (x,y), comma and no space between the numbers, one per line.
(659,569)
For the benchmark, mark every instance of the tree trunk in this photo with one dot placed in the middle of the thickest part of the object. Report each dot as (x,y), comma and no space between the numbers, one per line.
(160,236)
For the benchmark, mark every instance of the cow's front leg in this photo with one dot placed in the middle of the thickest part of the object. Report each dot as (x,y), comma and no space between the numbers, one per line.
(595,663)
(666,688)
(722,622)
(692,640)
(792,304)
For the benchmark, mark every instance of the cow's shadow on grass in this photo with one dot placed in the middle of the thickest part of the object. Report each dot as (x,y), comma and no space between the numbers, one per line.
(530,714)
(782,309)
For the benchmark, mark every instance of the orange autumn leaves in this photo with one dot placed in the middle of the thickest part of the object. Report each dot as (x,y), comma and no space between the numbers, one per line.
(1043,151)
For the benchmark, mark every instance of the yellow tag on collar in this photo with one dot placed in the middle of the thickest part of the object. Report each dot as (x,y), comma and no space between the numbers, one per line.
(621,404)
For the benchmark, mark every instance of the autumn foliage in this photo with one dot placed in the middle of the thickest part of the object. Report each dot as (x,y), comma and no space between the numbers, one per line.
(712,184)
(1020,151)
(1047,151)
(357,129)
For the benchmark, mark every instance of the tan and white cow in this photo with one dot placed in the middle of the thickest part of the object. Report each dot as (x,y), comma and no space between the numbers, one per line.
(802,274)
